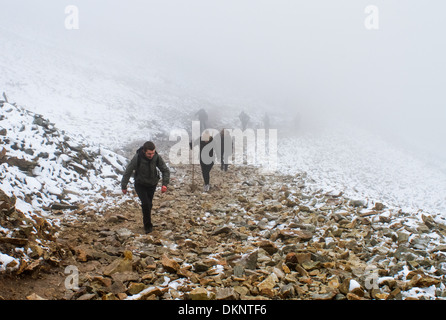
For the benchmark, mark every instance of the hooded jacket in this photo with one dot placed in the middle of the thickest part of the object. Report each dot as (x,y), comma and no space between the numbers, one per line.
(146,172)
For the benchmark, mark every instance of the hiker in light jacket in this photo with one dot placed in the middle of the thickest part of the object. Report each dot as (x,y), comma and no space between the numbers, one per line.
(145,164)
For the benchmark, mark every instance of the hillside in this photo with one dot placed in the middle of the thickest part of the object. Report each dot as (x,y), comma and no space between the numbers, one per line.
(252,236)
(43,171)
(45,167)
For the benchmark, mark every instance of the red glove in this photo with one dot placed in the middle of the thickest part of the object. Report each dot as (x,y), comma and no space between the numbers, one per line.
(163,189)
(124,191)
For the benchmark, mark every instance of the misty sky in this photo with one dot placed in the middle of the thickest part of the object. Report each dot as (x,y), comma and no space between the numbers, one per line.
(315,56)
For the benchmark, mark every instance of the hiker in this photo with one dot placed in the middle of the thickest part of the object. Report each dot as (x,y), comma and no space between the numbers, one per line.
(206,157)
(145,164)
(244,119)
(266,122)
(225,149)
(203,117)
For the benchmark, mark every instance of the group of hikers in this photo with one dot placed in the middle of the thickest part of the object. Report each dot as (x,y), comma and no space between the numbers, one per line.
(147,163)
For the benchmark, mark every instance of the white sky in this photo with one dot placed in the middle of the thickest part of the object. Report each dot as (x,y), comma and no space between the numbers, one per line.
(313,56)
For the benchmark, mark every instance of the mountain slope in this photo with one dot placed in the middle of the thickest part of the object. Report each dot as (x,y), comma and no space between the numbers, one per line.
(42,165)
(109,101)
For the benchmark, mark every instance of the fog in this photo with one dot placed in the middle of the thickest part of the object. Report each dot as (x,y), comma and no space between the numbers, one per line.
(315,57)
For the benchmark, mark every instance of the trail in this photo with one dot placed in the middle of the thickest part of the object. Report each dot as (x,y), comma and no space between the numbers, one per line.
(251,237)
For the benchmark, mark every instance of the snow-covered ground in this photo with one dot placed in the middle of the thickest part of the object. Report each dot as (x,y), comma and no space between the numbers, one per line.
(363,165)
(42,165)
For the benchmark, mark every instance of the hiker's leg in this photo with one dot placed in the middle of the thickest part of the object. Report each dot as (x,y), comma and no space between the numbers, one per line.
(150,193)
(206,173)
(146,204)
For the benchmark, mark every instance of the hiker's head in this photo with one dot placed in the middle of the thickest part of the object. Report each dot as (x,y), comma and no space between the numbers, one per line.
(206,136)
(148,149)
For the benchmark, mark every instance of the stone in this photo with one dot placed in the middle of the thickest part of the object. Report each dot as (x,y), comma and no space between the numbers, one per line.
(125,276)
(106,282)
(310,265)
(183,272)
(403,237)
(329,295)
(303,257)
(345,286)
(151,293)
(135,287)
(287,291)
(226,294)
(221,230)
(357,203)
(249,261)
(441,248)
(169,265)
(117,287)
(121,295)
(238,271)
(124,233)
(382,295)
(301,235)
(352,296)
(242,291)
(34,296)
(267,285)
(291,260)
(378,206)
(110,297)
(268,246)
(87,296)
(394,294)
(198,294)
(423,281)
(118,265)
(199,266)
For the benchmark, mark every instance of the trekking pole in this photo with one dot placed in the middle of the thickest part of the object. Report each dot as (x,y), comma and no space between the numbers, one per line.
(192,187)
(193,177)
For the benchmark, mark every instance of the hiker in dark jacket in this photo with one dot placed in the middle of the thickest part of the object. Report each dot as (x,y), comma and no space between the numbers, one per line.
(145,164)
(244,119)
(206,158)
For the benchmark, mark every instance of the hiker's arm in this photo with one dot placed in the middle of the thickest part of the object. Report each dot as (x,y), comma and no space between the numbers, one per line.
(165,172)
(128,173)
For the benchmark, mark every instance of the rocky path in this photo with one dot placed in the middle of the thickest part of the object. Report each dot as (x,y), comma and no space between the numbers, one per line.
(251,237)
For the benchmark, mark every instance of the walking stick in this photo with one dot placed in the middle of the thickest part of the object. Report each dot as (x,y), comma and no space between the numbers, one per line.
(193,187)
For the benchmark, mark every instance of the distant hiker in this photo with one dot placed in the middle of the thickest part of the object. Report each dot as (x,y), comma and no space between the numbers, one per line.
(203,117)
(207,155)
(225,149)
(244,119)
(145,164)
(266,122)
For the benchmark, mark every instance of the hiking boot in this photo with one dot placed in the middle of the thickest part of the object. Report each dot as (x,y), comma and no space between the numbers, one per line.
(206,187)
(148,229)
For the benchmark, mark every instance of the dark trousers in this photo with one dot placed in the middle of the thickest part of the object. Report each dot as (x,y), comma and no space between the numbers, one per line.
(145,194)
(206,170)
